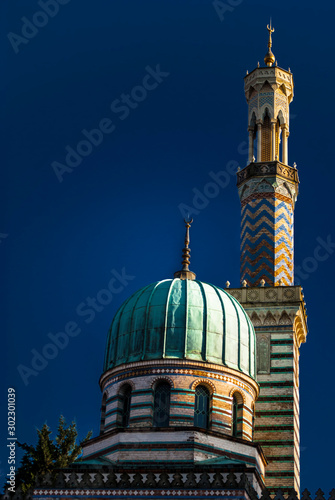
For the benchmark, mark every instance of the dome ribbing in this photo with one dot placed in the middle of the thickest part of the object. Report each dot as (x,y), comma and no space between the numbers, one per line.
(182,319)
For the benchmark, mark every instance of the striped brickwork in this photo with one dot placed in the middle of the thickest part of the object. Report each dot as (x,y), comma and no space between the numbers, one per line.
(268,187)
(267,192)
(182,406)
(183,378)
(278,315)
(171,446)
(277,411)
(267,239)
(141,443)
(141,408)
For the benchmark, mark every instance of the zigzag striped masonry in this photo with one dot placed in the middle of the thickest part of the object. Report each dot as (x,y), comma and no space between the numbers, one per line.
(267,241)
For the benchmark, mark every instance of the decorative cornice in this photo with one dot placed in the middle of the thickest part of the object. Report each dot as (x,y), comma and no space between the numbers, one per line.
(173,367)
(268,169)
(171,480)
(245,197)
(269,306)
(275,76)
(269,295)
(132,434)
(300,327)
(137,492)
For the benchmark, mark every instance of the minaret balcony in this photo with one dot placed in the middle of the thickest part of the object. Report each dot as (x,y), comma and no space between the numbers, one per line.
(265,169)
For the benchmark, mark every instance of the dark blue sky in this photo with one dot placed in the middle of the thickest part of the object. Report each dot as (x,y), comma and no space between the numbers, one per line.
(118,211)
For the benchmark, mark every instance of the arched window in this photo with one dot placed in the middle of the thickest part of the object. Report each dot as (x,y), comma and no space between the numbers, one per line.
(201,407)
(252,136)
(162,405)
(125,402)
(234,416)
(266,137)
(103,413)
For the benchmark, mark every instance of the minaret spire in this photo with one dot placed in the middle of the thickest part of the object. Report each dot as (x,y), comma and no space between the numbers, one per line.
(185,273)
(269,59)
(268,187)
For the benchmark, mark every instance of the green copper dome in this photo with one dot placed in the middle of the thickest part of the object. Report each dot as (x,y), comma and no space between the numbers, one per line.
(182,319)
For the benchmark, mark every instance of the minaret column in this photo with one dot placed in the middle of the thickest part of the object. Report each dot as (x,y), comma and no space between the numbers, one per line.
(285,134)
(268,193)
(251,143)
(259,140)
(273,139)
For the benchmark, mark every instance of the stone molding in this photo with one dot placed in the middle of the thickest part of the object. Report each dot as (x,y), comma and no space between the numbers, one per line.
(272,306)
(271,90)
(270,168)
(277,77)
(204,381)
(267,294)
(178,367)
(128,382)
(201,481)
(234,390)
(162,378)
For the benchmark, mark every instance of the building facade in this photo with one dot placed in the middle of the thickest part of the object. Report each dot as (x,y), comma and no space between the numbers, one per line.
(200,385)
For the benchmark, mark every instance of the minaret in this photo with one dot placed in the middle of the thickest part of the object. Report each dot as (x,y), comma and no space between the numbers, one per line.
(268,186)
(268,189)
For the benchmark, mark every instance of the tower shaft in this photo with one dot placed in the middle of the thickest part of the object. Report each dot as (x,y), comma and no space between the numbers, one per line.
(268,189)
(267,186)
(279,318)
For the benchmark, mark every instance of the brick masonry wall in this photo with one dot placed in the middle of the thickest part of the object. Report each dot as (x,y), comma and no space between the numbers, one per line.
(276,427)
(141,442)
(139,447)
(267,239)
(222,383)
(280,326)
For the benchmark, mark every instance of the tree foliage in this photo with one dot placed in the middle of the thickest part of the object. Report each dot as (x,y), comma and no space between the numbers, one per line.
(48,455)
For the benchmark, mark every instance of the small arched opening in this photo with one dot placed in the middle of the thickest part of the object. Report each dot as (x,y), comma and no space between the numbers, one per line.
(103,412)
(162,397)
(124,405)
(202,407)
(237,415)
(266,137)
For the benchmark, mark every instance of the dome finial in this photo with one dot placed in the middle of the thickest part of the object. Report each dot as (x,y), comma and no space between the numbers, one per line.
(185,273)
(269,59)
